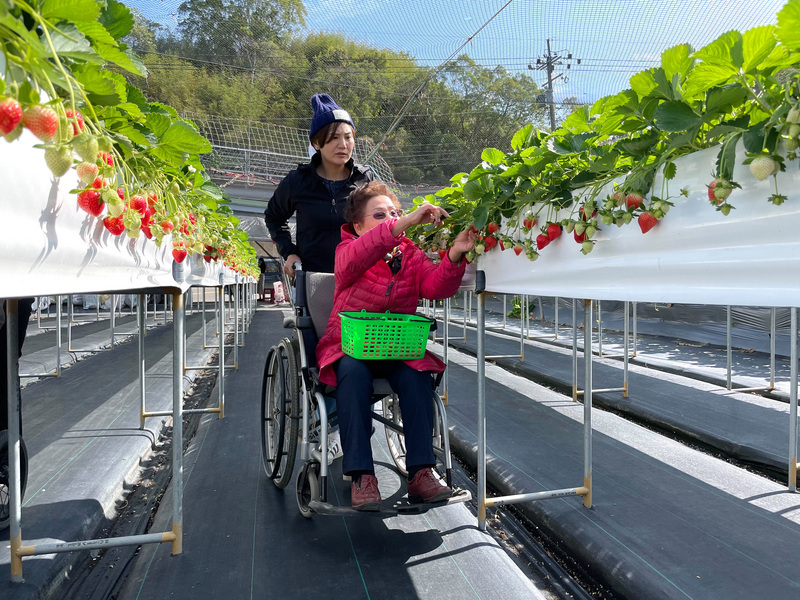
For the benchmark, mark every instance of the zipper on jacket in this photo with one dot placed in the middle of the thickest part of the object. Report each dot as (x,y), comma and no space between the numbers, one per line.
(389,289)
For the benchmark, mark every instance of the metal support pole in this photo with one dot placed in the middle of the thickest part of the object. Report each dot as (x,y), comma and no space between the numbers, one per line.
(599,330)
(14,434)
(177,423)
(633,354)
(481,372)
(221,377)
(793,403)
(728,341)
(113,317)
(625,360)
(772,331)
(140,306)
(587,402)
(575,350)
(555,319)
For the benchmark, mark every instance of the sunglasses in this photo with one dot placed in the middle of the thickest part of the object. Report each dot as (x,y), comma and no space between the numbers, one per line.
(381,214)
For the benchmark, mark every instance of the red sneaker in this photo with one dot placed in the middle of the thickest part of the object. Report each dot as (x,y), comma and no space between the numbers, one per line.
(426,487)
(364,493)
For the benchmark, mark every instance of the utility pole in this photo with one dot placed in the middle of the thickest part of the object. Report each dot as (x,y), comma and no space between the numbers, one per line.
(548,63)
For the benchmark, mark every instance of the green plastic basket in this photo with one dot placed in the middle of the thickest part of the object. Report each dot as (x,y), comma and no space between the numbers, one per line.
(370,336)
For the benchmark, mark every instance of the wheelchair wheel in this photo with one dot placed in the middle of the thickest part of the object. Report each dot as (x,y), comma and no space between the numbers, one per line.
(280,410)
(395,439)
(5,476)
(307,488)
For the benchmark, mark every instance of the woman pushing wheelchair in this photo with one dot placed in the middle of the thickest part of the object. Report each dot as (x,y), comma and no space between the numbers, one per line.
(377,269)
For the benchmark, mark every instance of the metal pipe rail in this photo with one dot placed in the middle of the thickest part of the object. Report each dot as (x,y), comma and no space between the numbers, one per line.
(587,338)
(585,490)
(175,535)
(772,332)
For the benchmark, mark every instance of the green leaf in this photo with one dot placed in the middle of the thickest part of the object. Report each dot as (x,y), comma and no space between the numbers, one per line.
(473,190)
(638,147)
(726,50)
(96,32)
(753,139)
(71,10)
(669,171)
(578,120)
(102,87)
(169,154)
(493,156)
(134,134)
(480,216)
(158,123)
(213,190)
(757,44)
(136,96)
(726,159)
(117,19)
(788,31)
(677,61)
(116,56)
(739,124)
(722,99)
(182,135)
(705,76)
(68,41)
(676,116)
(523,138)
(643,83)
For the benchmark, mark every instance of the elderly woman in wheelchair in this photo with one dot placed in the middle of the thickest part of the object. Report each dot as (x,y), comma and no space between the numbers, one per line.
(377,270)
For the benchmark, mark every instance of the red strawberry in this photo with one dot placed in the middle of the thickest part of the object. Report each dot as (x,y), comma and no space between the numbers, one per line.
(89,200)
(647,222)
(10,115)
(99,183)
(167,225)
(518,249)
(42,122)
(553,231)
(138,203)
(583,216)
(633,200)
(152,199)
(493,227)
(76,120)
(529,222)
(442,254)
(579,238)
(502,245)
(146,230)
(178,251)
(106,158)
(542,240)
(147,217)
(114,225)
(489,242)
(121,193)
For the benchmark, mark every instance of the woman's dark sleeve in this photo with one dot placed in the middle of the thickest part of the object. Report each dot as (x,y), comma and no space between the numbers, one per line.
(279,210)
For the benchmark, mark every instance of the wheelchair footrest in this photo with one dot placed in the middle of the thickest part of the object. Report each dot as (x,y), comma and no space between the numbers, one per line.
(401,507)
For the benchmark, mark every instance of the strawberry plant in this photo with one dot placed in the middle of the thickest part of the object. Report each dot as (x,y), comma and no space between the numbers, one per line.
(55,84)
(741,90)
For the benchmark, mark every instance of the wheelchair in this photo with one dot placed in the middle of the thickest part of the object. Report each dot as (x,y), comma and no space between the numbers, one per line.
(294,411)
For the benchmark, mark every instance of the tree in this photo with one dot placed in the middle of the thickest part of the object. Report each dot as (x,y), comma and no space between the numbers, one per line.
(235,31)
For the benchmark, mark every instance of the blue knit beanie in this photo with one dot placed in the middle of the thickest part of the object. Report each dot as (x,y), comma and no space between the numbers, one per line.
(326,111)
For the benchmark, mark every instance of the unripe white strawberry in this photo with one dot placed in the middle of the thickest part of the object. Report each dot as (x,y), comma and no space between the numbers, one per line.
(762,167)
(116,210)
(87,172)
(794,115)
(794,130)
(58,159)
(86,147)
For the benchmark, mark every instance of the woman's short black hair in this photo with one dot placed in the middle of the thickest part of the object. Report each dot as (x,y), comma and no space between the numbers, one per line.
(325,135)
(359,197)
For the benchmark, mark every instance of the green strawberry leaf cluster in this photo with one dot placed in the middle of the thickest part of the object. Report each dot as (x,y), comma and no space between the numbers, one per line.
(66,58)
(742,87)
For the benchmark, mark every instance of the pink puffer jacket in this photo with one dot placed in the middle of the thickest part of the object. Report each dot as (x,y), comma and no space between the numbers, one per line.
(365,281)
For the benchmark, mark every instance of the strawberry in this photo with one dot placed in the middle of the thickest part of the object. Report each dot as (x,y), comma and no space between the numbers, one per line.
(518,249)
(87,172)
(529,222)
(178,251)
(146,230)
(579,237)
(106,158)
(587,247)
(42,121)
(139,203)
(114,225)
(14,133)
(86,147)
(76,120)
(489,242)
(493,228)
(553,231)
(719,190)
(10,115)
(442,254)
(647,222)
(167,226)
(99,183)
(152,198)
(542,240)
(617,199)
(583,216)
(763,166)
(58,159)
(147,217)
(633,200)
(89,200)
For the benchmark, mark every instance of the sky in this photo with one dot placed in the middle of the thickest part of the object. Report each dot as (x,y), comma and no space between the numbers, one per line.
(612,38)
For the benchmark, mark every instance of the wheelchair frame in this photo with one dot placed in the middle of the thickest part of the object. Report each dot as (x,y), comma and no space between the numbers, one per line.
(291,391)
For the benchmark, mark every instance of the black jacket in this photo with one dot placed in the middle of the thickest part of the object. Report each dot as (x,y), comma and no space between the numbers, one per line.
(319,217)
